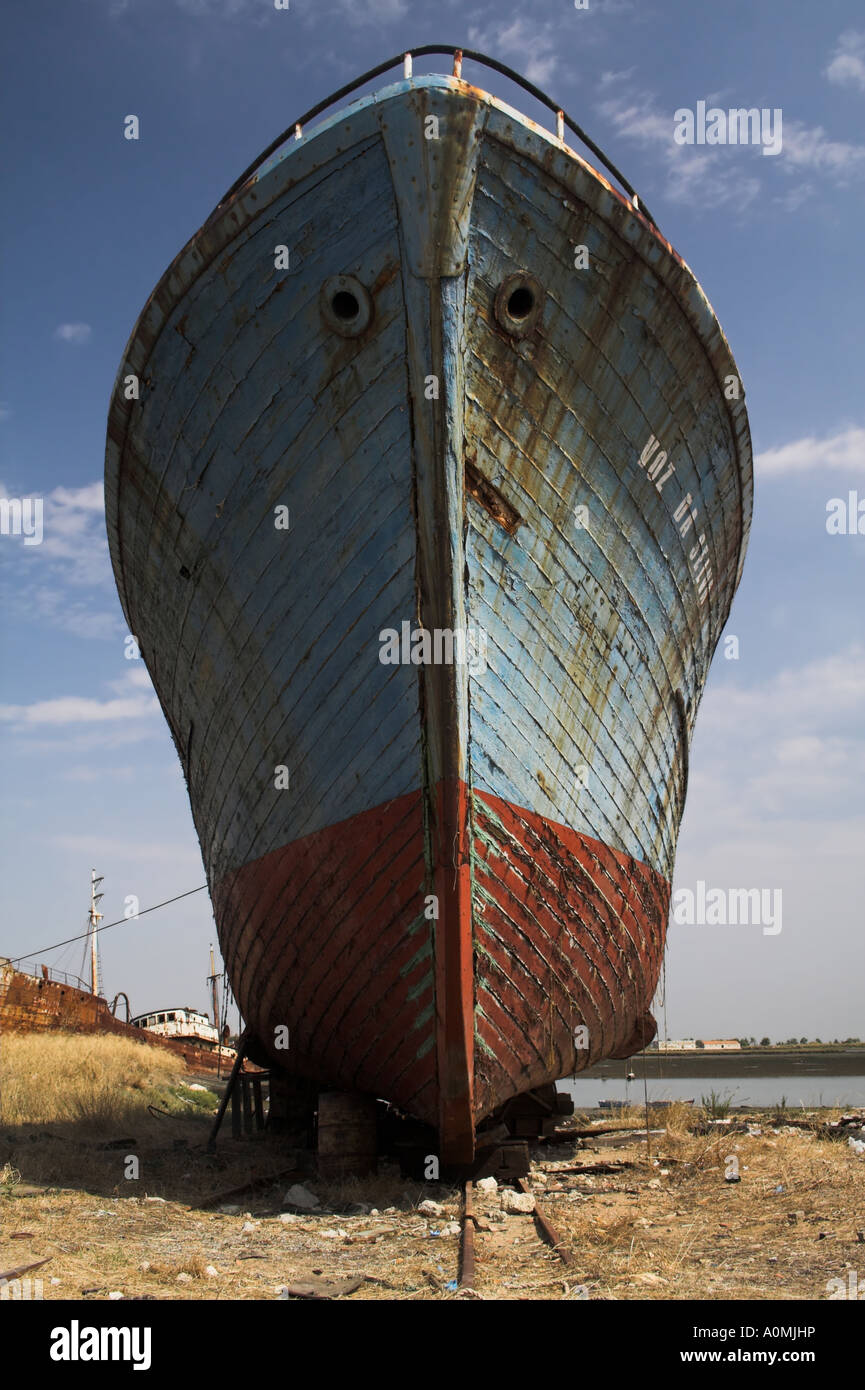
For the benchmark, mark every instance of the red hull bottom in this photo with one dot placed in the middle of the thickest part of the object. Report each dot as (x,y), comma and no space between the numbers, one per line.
(335,937)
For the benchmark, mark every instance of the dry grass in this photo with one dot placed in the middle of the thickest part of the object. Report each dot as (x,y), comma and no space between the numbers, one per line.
(668,1226)
(634,1116)
(95,1082)
(676,1229)
(64,1096)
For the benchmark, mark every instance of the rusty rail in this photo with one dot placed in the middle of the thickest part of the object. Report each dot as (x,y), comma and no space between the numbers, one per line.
(46,972)
(467,1241)
(549,1232)
(295,130)
(121,995)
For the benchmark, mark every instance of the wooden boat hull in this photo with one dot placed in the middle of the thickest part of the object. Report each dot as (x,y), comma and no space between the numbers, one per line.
(447,879)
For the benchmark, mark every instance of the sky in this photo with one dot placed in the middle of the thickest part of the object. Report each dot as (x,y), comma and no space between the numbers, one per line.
(90,221)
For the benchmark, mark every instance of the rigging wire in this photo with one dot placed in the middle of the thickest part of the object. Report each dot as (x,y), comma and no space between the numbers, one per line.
(83,956)
(43,950)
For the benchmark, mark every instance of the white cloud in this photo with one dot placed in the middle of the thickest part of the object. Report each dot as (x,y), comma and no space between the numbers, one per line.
(99,772)
(794,198)
(844,452)
(91,497)
(794,702)
(710,176)
(775,801)
(203,9)
(78,709)
(73,332)
(534,48)
(78,617)
(216,9)
(50,581)
(810,148)
(74,534)
(372,11)
(74,725)
(614,77)
(136,677)
(847,65)
(698,175)
(65,742)
(789,749)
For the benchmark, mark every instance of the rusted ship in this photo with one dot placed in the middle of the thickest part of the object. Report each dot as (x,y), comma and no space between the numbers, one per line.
(185,1025)
(428,484)
(39,1000)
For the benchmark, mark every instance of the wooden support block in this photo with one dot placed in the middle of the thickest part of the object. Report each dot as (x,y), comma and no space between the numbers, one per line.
(259,1108)
(514,1162)
(490,1161)
(346,1134)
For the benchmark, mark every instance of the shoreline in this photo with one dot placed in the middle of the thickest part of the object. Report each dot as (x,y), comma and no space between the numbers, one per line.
(658,1066)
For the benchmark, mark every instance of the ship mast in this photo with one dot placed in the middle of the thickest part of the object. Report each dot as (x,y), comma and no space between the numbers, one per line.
(95,918)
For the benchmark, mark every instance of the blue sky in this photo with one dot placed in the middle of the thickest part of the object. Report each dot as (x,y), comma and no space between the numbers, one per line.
(91,220)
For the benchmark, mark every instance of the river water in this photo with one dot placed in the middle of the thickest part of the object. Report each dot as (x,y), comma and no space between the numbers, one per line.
(847,1091)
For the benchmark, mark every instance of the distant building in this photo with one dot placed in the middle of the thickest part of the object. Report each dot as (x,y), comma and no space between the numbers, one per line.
(722,1045)
(677,1045)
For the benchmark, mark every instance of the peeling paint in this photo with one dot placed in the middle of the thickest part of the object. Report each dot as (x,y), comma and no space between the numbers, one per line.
(406,781)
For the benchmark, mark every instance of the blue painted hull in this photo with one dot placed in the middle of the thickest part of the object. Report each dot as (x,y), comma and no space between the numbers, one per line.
(449,880)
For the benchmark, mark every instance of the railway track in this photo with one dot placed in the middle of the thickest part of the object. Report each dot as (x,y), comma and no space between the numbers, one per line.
(471,1223)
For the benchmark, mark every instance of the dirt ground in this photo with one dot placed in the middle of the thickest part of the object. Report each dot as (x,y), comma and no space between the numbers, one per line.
(665,1224)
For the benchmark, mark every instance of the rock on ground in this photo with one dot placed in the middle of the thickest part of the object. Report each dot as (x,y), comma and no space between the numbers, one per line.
(517,1202)
(298,1196)
(430,1208)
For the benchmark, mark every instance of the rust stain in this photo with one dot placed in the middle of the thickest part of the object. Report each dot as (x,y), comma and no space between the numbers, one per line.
(386,276)
(489,497)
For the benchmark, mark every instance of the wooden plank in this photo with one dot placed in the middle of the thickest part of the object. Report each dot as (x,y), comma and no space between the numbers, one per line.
(319,1290)
(23,1269)
(534,856)
(228,1093)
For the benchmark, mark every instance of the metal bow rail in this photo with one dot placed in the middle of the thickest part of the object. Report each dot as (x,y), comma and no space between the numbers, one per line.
(457,54)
